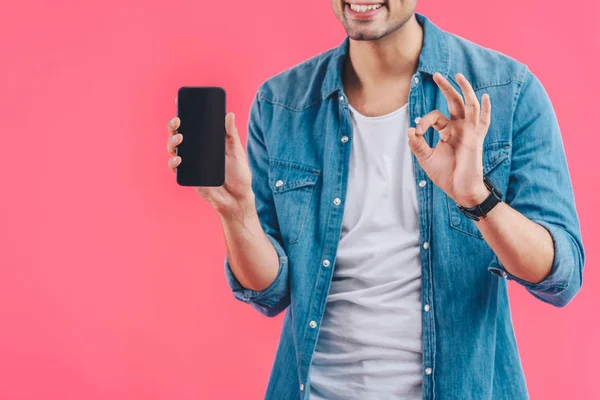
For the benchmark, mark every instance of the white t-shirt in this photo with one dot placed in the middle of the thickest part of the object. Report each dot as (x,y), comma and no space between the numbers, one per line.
(369,344)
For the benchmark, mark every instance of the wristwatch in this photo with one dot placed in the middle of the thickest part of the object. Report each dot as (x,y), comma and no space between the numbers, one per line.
(481,210)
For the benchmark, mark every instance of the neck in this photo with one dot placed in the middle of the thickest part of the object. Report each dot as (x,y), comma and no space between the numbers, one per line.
(373,63)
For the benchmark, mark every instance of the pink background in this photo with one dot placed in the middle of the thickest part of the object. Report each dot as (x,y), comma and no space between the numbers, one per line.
(111,279)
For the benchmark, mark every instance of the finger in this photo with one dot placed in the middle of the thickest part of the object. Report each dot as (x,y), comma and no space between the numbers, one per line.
(173,125)
(173,142)
(419,146)
(486,110)
(456,105)
(471,102)
(434,119)
(174,163)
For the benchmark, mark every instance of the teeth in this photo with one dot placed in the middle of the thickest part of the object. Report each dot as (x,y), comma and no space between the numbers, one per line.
(364,8)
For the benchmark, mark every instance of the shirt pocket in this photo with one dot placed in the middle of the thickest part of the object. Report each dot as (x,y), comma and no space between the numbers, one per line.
(292,185)
(496,166)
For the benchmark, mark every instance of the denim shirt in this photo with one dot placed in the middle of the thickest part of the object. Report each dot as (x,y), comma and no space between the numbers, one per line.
(298,148)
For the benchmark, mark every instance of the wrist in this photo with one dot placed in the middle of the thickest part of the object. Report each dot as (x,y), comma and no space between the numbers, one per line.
(243,208)
(476,198)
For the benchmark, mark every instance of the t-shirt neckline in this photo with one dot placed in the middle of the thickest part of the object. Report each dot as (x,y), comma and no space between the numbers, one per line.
(369,118)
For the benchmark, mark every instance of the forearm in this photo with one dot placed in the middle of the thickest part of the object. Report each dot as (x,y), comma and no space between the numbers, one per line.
(252,256)
(524,247)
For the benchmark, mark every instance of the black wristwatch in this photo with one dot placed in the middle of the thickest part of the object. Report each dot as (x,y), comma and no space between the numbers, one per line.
(481,210)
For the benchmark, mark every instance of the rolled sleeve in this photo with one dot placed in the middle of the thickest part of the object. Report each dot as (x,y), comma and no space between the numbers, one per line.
(564,274)
(540,188)
(269,300)
(276,297)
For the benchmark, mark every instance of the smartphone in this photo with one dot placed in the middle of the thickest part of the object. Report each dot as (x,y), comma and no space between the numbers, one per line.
(201,111)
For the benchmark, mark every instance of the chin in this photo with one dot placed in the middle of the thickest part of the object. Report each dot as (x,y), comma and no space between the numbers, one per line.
(364,34)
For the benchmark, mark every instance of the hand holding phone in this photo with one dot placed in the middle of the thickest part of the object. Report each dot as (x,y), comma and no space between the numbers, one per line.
(236,187)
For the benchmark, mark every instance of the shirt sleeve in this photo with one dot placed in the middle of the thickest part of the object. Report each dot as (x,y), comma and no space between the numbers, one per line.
(276,297)
(540,188)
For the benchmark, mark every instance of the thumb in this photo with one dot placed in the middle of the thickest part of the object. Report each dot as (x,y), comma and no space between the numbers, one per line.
(419,146)
(230,128)
(233,144)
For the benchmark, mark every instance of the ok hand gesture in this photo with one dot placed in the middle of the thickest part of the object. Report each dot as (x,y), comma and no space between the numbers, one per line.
(455,164)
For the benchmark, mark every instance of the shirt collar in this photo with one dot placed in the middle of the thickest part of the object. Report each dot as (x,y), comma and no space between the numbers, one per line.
(434,56)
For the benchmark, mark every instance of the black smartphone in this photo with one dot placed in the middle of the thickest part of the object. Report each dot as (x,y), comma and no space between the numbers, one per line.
(201,111)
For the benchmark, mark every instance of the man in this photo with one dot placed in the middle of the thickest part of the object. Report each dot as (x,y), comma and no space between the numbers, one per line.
(392,187)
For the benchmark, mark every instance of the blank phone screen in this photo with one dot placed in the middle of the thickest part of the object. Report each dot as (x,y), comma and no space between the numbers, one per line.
(201,111)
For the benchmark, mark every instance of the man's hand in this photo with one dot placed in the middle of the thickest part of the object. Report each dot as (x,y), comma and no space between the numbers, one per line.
(455,164)
(236,193)
(252,257)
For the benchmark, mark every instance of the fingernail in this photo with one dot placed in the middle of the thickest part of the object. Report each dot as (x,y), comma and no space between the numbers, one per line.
(417,120)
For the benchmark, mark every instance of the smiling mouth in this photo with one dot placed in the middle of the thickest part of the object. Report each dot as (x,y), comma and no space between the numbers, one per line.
(364,9)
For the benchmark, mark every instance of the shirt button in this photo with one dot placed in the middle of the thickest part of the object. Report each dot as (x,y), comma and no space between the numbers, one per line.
(426,245)
(313,324)
(422,183)
(341,98)
(344,139)
(279,183)
(336,201)
(301,387)
(326,263)
(426,308)
(504,274)
(427,371)
(416,79)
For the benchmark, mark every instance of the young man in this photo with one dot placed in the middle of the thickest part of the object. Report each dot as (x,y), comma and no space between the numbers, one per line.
(346,212)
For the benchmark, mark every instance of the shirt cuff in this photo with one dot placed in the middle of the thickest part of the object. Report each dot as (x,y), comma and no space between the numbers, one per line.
(269,296)
(562,265)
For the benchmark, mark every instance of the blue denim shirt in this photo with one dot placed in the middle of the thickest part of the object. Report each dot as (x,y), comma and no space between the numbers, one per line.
(298,147)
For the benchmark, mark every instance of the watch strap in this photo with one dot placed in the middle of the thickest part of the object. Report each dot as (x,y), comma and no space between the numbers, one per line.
(481,210)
